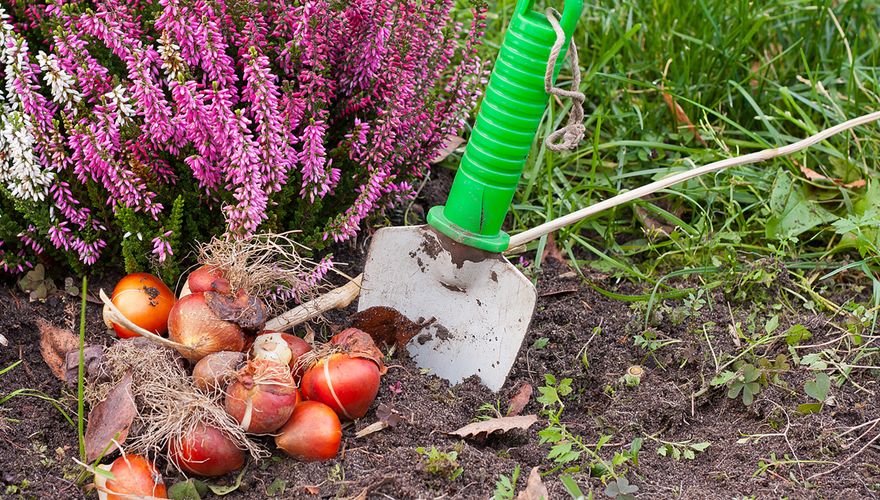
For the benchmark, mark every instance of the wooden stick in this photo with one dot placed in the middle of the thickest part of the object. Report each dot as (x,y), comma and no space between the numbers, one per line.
(334,299)
(548,227)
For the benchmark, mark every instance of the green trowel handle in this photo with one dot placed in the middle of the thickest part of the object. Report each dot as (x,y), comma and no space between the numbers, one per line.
(505,129)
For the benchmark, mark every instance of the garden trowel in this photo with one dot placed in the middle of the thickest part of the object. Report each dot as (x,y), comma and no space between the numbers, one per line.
(450,272)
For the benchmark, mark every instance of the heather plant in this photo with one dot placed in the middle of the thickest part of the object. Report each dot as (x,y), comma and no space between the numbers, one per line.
(135,128)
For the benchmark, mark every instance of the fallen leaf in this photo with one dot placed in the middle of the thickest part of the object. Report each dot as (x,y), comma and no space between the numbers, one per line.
(388,417)
(93,355)
(55,343)
(451,143)
(190,489)
(483,428)
(110,419)
(371,429)
(388,414)
(520,400)
(680,115)
(357,343)
(247,312)
(310,334)
(387,326)
(535,489)
(812,175)
(551,249)
(311,490)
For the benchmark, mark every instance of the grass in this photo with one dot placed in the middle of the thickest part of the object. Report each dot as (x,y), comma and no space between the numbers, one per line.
(749,75)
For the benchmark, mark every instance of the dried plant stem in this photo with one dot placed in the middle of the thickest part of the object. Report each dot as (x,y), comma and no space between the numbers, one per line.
(334,299)
(116,316)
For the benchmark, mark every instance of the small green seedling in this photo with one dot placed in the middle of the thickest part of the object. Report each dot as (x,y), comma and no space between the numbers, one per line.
(818,390)
(744,383)
(620,489)
(682,449)
(505,487)
(444,463)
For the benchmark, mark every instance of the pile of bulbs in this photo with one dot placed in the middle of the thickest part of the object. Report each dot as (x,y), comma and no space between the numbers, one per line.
(273,383)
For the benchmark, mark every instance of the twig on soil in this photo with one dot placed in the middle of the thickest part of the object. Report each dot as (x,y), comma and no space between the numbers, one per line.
(854,455)
(334,299)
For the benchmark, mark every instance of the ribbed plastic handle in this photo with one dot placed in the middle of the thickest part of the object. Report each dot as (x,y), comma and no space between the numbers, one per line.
(509,116)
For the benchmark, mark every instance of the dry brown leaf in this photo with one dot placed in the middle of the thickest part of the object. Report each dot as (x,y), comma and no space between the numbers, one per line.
(451,143)
(311,490)
(552,250)
(247,312)
(310,334)
(110,419)
(372,428)
(92,355)
(55,343)
(535,489)
(680,116)
(483,428)
(359,344)
(386,325)
(520,400)
(812,175)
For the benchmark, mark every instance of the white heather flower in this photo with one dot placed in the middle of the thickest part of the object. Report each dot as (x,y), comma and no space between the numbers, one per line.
(169,51)
(60,81)
(120,100)
(19,167)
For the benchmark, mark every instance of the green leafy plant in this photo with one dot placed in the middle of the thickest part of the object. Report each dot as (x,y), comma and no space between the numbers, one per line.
(505,487)
(796,334)
(817,389)
(677,450)
(567,449)
(743,383)
(488,411)
(621,489)
(444,463)
(540,343)
(649,341)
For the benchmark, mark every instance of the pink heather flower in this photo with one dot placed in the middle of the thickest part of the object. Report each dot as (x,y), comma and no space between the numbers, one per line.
(112,25)
(244,97)
(317,176)
(262,93)
(161,246)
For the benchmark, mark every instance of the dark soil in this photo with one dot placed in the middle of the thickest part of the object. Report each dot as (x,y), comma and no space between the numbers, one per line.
(590,339)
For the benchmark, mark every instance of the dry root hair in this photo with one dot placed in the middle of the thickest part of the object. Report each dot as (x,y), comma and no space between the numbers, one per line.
(267,265)
(169,405)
